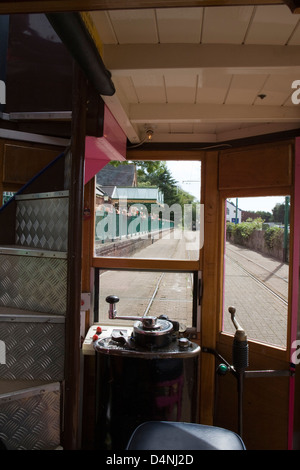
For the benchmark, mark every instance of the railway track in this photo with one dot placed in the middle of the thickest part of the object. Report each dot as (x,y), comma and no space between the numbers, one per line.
(255,277)
(157,286)
(272,273)
(150,293)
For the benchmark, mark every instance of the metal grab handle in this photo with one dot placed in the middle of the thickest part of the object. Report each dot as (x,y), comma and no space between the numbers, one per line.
(240,334)
(148,322)
(112,300)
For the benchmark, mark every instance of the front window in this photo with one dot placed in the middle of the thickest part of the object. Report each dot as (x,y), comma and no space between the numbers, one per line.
(149,211)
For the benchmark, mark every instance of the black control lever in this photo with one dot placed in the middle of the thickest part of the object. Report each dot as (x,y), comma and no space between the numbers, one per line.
(148,321)
(240,364)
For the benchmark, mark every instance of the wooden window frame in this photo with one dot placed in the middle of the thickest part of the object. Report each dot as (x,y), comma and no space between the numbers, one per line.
(153,264)
(225,338)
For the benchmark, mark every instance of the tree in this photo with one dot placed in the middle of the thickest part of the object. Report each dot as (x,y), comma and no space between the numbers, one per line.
(266,216)
(278,213)
(157,174)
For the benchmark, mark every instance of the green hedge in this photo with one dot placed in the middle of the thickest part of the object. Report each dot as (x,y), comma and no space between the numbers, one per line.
(242,231)
(273,237)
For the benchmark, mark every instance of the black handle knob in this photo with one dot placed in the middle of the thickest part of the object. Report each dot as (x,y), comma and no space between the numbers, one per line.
(112,299)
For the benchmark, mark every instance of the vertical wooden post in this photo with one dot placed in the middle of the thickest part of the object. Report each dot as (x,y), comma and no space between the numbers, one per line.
(88,235)
(294,405)
(210,302)
(72,363)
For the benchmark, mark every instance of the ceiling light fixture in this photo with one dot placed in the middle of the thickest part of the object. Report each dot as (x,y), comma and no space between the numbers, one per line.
(149,134)
(147,138)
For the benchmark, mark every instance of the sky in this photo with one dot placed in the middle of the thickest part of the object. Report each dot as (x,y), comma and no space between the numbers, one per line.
(266,203)
(187,174)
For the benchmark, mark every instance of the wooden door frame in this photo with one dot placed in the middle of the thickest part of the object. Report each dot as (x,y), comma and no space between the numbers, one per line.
(210,262)
(277,358)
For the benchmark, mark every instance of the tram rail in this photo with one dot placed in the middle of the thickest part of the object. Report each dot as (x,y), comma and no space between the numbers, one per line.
(259,265)
(153,295)
(275,283)
(146,293)
(259,281)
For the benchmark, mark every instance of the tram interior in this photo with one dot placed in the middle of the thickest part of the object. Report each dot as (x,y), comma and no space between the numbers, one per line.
(149,169)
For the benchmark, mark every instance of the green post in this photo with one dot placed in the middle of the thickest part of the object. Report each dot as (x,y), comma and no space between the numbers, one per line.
(236,210)
(286,227)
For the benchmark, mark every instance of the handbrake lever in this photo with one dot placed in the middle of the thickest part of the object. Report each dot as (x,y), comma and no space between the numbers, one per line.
(240,345)
(240,334)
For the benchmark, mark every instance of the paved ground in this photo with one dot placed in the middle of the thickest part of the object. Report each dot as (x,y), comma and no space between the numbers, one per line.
(157,293)
(261,306)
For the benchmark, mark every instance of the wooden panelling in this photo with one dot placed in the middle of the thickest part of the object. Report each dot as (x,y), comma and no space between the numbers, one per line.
(256,167)
(146,264)
(21,163)
(265,410)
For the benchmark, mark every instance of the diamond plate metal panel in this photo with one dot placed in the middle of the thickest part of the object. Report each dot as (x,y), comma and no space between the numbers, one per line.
(42,221)
(33,283)
(31,422)
(34,350)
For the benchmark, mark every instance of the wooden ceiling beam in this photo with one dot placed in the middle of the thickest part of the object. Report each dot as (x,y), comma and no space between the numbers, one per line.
(208,113)
(47,6)
(124,59)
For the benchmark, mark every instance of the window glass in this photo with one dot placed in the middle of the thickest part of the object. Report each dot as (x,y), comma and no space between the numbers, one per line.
(256,267)
(149,210)
(147,293)
(6,196)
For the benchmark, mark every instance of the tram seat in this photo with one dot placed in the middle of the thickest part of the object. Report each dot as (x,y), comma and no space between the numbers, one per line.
(167,435)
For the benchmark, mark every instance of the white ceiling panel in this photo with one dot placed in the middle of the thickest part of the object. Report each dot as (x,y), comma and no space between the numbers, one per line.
(212,86)
(185,128)
(179,25)
(272,25)
(134,26)
(209,128)
(126,89)
(243,88)
(226,24)
(294,39)
(150,88)
(180,87)
(104,27)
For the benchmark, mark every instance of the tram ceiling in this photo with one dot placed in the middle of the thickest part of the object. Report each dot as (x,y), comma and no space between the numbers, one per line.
(196,75)
(201,75)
